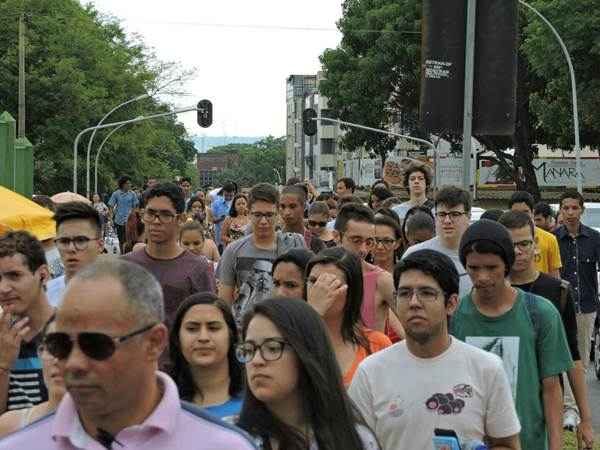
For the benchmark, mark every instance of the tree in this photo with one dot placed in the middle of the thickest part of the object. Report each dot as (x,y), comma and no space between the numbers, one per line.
(262,161)
(80,65)
(373,77)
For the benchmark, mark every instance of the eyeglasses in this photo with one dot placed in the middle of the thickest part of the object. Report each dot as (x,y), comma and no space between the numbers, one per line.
(358,240)
(164,217)
(43,353)
(523,245)
(270,350)
(316,223)
(385,242)
(258,216)
(424,294)
(79,242)
(97,346)
(452,215)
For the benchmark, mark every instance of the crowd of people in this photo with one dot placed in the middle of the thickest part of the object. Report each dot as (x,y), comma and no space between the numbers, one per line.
(281,318)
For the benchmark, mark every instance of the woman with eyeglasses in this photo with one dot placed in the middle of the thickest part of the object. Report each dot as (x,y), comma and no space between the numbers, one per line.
(334,288)
(318,216)
(288,273)
(388,237)
(202,351)
(295,398)
(12,421)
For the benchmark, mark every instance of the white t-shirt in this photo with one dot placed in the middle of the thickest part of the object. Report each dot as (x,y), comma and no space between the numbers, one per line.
(403,398)
(436,244)
(55,290)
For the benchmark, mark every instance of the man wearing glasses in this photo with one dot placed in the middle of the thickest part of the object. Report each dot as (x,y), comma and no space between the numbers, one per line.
(24,312)
(179,272)
(441,382)
(244,271)
(108,345)
(452,211)
(355,231)
(78,240)
(525,275)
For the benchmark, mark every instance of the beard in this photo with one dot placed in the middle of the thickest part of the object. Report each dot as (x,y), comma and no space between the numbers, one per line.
(424,336)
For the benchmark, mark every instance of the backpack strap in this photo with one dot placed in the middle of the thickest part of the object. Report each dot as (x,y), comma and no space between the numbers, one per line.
(532,310)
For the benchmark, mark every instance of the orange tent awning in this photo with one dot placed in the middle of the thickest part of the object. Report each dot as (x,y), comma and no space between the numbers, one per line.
(20,213)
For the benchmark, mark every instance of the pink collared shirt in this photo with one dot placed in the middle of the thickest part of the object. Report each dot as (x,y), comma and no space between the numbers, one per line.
(171,425)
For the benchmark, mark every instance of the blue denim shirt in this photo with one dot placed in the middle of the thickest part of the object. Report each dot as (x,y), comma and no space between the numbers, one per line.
(220,208)
(123,202)
(580,258)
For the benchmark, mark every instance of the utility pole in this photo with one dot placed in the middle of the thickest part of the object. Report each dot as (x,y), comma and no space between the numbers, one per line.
(21,115)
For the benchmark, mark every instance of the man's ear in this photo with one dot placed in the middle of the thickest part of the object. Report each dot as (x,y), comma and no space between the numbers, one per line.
(157,340)
(452,304)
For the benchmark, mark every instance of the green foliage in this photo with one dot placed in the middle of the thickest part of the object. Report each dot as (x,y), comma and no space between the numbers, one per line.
(258,162)
(79,66)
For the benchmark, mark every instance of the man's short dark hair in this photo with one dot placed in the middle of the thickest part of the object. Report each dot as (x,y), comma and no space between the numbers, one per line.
(229,186)
(573,194)
(353,211)
(414,167)
(169,190)
(434,264)
(452,196)
(297,190)
(78,211)
(521,197)
(543,209)
(292,181)
(263,192)
(122,180)
(23,243)
(517,219)
(184,179)
(381,193)
(45,202)
(345,199)
(492,214)
(348,182)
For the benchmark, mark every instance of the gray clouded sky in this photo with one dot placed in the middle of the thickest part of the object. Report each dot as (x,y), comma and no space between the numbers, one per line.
(243,51)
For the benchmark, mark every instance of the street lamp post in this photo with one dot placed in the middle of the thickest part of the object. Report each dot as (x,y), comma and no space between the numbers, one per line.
(116,124)
(98,155)
(573,92)
(89,149)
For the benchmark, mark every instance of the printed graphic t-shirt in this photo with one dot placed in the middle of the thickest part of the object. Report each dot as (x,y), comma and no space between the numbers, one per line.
(248,269)
(512,337)
(463,389)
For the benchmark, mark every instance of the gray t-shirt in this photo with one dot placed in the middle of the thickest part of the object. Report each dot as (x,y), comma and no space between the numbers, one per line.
(248,269)
(403,208)
(436,244)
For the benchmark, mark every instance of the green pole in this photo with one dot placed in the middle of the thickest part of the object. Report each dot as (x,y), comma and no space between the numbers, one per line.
(24,168)
(7,150)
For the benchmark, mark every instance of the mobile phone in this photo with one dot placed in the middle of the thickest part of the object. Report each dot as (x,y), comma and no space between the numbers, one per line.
(445,440)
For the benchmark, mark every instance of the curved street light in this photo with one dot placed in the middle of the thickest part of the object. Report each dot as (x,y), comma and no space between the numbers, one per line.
(114,130)
(573,92)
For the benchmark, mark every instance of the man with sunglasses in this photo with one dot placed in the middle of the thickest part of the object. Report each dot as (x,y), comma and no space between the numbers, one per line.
(246,265)
(179,272)
(108,345)
(524,274)
(452,210)
(355,231)
(24,312)
(78,240)
(440,382)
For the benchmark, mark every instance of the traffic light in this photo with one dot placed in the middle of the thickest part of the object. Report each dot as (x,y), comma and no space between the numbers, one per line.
(309,126)
(204,113)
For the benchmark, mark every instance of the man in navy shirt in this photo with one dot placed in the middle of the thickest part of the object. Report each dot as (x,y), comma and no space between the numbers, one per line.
(122,202)
(580,254)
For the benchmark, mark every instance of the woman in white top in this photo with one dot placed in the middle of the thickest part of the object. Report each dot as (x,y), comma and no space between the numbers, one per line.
(295,398)
(12,421)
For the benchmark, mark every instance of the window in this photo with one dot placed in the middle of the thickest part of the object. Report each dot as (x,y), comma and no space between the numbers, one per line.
(327,146)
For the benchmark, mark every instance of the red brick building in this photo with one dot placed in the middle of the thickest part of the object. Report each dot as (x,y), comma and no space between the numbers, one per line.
(211,164)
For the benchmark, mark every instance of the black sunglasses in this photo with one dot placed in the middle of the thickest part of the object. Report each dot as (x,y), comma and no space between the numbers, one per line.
(98,346)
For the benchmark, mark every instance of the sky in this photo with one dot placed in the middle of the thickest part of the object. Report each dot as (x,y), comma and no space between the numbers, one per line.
(242,51)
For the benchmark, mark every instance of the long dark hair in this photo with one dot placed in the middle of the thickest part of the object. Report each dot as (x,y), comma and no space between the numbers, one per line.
(180,368)
(326,406)
(350,264)
(232,210)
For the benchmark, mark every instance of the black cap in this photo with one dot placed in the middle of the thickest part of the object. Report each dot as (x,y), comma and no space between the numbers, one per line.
(488,230)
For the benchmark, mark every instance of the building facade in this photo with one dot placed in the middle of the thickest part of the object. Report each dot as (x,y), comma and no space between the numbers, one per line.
(209,165)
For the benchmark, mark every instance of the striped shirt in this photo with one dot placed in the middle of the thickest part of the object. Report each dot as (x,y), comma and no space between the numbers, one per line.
(26,386)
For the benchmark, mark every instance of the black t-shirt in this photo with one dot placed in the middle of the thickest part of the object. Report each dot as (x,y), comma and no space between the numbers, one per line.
(26,386)
(550,288)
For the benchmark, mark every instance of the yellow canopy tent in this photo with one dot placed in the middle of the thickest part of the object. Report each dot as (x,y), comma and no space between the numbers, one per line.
(20,213)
